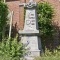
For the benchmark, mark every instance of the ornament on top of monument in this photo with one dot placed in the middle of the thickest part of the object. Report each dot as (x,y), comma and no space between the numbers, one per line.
(31,4)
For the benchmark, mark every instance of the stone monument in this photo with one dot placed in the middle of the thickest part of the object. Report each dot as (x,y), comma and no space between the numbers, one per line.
(30,33)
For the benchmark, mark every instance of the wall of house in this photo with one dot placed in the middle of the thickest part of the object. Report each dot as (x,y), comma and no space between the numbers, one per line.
(18,17)
(19,11)
(14,6)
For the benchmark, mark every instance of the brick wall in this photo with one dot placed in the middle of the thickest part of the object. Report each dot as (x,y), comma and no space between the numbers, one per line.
(14,6)
(18,18)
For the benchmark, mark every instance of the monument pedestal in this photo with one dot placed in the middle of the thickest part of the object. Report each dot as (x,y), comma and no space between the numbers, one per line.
(32,42)
(30,33)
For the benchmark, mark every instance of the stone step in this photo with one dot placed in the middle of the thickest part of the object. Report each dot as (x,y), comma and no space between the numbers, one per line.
(29,58)
(33,53)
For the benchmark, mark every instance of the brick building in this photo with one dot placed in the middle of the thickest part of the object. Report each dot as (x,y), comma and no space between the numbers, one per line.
(18,17)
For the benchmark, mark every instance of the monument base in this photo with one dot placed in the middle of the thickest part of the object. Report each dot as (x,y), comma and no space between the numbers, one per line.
(32,42)
(31,57)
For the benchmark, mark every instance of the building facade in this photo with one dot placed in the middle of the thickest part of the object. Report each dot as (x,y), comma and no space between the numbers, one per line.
(18,17)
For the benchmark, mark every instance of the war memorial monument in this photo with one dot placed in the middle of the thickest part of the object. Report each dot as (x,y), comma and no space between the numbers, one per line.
(30,33)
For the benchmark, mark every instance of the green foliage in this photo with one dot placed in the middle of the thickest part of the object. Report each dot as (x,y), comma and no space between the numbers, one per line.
(45,14)
(48,58)
(55,55)
(11,49)
(1,0)
(3,16)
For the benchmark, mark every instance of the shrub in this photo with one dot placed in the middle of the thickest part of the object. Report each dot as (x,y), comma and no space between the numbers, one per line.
(3,17)
(45,14)
(11,49)
(1,0)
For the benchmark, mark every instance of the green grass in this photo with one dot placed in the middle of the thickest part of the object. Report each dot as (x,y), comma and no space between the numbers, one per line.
(55,55)
(48,58)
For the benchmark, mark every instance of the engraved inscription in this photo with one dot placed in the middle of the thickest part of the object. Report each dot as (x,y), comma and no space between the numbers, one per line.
(28,22)
(31,17)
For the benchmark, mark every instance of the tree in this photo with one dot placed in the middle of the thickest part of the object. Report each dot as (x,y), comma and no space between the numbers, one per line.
(45,12)
(3,17)
(45,15)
